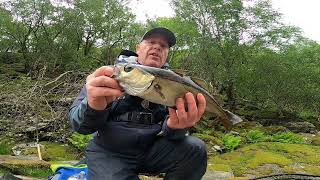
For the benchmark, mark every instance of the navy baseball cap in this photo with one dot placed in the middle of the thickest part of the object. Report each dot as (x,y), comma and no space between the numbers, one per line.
(169,35)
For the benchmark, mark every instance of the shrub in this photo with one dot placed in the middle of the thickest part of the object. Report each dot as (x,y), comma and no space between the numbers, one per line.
(254,136)
(80,141)
(231,142)
(287,137)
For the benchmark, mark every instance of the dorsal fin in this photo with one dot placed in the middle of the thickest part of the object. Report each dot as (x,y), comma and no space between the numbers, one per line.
(202,83)
(180,72)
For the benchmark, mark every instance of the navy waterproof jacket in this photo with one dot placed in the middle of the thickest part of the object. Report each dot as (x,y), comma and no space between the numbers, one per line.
(111,130)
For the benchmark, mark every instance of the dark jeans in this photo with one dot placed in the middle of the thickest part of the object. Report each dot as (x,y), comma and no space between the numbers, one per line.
(184,159)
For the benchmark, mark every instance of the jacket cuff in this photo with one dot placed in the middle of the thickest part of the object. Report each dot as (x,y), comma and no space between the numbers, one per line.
(172,134)
(94,115)
(86,120)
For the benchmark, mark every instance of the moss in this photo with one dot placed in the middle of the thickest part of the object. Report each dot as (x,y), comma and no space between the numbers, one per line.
(252,158)
(58,152)
(262,157)
(316,140)
(238,178)
(219,167)
(236,160)
(290,170)
(298,152)
(314,170)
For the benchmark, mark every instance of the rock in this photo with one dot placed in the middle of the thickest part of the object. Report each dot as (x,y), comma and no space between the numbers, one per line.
(271,130)
(217,175)
(10,177)
(234,133)
(301,127)
(269,122)
(217,148)
(8,161)
(316,140)
(26,149)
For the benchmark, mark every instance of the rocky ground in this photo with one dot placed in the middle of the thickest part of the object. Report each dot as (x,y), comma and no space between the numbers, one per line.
(249,161)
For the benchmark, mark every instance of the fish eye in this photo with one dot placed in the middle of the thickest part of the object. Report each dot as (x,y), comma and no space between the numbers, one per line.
(128,68)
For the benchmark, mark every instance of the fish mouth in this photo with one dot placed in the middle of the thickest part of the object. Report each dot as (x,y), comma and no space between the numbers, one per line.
(134,80)
(116,72)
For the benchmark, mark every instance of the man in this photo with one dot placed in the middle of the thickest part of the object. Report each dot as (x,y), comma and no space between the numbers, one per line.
(134,136)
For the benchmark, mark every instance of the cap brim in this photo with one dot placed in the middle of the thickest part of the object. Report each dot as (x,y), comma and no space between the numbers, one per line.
(171,38)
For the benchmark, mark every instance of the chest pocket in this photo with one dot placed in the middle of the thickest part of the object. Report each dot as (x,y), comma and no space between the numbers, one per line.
(130,103)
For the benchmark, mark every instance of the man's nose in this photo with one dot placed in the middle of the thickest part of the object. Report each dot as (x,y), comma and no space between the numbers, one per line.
(157,46)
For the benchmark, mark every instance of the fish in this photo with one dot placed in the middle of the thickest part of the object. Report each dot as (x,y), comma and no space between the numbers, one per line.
(164,86)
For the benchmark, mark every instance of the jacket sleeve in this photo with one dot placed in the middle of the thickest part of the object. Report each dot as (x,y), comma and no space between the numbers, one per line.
(172,134)
(84,119)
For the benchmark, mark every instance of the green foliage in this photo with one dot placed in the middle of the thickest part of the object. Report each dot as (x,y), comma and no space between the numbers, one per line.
(80,141)
(273,66)
(28,170)
(231,142)
(309,116)
(5,148)
(254,136)
(288,137)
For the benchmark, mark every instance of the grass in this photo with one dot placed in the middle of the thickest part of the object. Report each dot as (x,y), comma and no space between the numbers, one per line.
(5,149)
(32,171)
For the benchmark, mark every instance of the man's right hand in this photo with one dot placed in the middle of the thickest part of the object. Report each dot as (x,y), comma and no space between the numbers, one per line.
(101,88)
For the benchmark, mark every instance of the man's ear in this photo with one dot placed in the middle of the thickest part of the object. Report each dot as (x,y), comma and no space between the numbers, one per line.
(137,48)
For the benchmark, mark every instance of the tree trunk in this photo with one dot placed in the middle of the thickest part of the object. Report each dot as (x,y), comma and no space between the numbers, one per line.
(231,100)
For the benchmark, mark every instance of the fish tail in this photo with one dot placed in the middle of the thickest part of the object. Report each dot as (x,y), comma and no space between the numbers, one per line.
(234,119)
(229,119)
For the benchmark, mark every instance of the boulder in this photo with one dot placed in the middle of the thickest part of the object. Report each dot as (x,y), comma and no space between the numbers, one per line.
(301,127)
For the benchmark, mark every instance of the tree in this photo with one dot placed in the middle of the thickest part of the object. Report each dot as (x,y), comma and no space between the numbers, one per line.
(25,18)
(228,30)
(105,22)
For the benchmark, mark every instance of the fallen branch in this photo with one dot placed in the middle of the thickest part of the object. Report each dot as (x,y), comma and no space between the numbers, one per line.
(57,79)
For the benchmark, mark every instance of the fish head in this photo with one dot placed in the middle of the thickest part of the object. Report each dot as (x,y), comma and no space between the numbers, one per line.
(133,78)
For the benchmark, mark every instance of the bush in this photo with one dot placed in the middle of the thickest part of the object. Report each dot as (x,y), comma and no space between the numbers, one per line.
(254,136)
(80,141)
(287,137)
(231,142)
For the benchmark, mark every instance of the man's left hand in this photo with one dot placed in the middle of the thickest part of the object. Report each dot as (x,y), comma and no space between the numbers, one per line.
(181,118)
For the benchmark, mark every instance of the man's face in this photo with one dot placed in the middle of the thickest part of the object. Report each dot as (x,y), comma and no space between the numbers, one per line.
(153,51)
